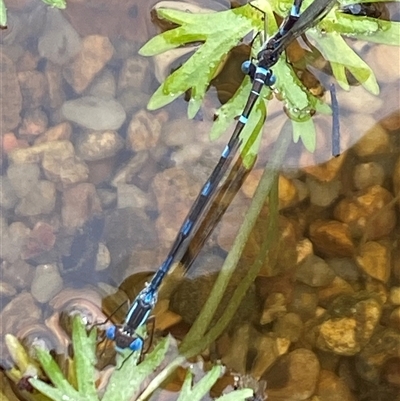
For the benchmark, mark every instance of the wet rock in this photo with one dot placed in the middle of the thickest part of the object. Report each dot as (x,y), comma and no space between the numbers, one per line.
(20,312)
(383,347)
(332,238)
(46,283)
(304,301)
(287,192)
(293,377)
(103,86)
(80,203)
(394,318)
(134,74)
(369,213)
(345,268)
(13,240)
(268,351)
(175,192)
(60,132)
(274,307)
(332,388)
(349,324)
(60,165)
(289,326)
(59,41)
(375,141)
(144,130)
(54,79)
(10,142)
(41,200)
(103,258)
(315,272)
(131,196)
(99,145)
(337,287)
(23,178)
(34,89)
(8,197)
(94,113)
(395,295)
(34,124)
(374,259)
(6,290)
(326,172)
(323,193)
(108,197)
(10,94)
(94,54)
(368,174)
(18,274)
(41,239)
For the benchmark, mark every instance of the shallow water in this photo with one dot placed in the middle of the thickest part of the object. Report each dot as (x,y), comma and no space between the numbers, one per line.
(94,188)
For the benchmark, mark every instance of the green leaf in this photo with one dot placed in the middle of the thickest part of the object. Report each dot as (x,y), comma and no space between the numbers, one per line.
(305,130)
(127,379)
(220,32)
(84,359)
(334,48)
(61,4)
(3,15)
(238,395)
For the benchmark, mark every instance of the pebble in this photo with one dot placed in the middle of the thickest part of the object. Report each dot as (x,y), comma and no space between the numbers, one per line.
(79,204)
(34,90)
(274,307)
(93,55)
(41,239)
(289,326)
(330,387)
(383,347)
(98,145)
(323,193)
(368,213)
(135,74)
(349,324)
(54,79)
(368,174)
(20,312)
(103,86)
(374,259)
(293,377)
(10,94)
(315,272)
(375,141)
(46,283)
(332,238)
(103,258)
(394,296)
(131,196)
(6,290)
(337,287)
(94,113)
(328,171)
(59,132)
(23,178)
(41,200)
(8,197)
(59,41)
(61,165)
(304,301)
(13,239)
(34,123)
(144,130)
(18,274)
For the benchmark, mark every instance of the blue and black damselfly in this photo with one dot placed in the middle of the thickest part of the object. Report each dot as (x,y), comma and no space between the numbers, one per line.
(293,26)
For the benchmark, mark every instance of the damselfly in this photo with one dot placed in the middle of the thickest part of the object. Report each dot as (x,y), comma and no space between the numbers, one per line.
(125,335)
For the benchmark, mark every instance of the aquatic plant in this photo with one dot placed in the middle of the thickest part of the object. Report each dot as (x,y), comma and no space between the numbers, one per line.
(125,383)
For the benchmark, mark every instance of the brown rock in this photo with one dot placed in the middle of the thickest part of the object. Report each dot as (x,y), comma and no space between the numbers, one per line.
(96,51)
(34,123)
(10,95)
(34,89)
(374,259)
(332,388)
(327,171)
(59,132)
(293,377)
(375,141)
(332,238)
(370,213)
(80,203)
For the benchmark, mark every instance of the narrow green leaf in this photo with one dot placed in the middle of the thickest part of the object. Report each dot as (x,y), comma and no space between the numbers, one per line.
(62,388)
(84,359)
(61,4)
(200,389)
(3,15)
(339,73)
(238,395)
